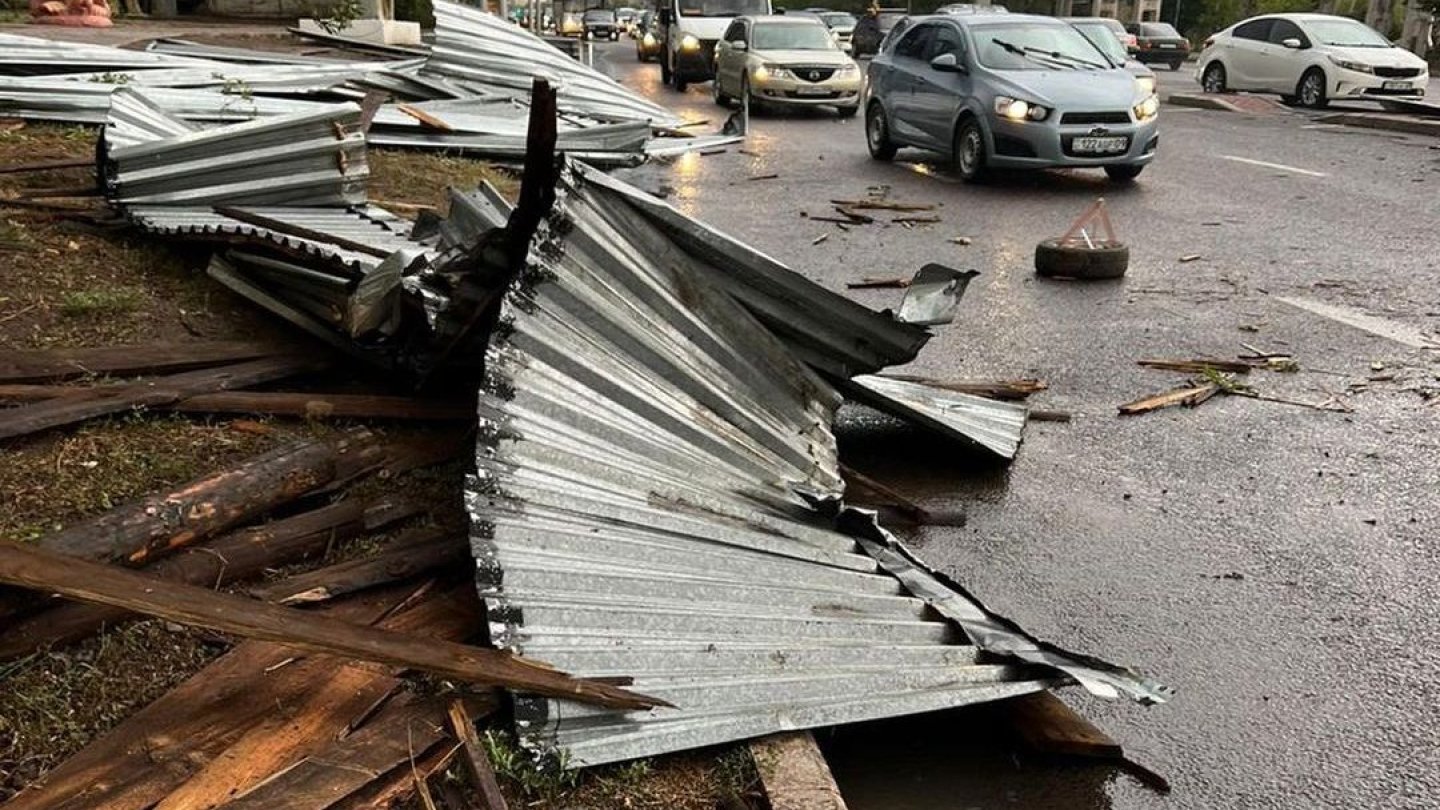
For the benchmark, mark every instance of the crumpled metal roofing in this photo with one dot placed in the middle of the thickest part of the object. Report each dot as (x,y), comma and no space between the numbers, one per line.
(484,50)
(311,159)
(997,426)
(655,499)
(172,46)
(34,56)
(826,329)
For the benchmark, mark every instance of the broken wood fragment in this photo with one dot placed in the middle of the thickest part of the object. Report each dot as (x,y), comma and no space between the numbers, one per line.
(794,773)
(915,220)
(1048,416)
(425,118)
(234,557)
(1189,395)
(54,365)
(994,389)
(476,760)
(1047,725)
(883,205)
(879,284)
(422,551)
(47,571)
(1197,366)
(913,510)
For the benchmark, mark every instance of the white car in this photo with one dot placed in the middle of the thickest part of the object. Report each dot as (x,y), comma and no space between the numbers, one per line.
(1309,59)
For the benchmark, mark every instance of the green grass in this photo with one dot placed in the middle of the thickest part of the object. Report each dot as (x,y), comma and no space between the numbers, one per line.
(90,303)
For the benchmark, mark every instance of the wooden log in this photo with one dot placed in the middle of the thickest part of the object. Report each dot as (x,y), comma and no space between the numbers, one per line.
(794,773)
(48,571)
(482,775)
(235,557)
(54,365)
(337,703)
(39,416)
(423,550)
(144,757)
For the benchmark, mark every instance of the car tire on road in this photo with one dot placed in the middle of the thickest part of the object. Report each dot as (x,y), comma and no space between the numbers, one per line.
(716,93)
(1311,90)
(969,151)
(1056,260)
(877,133)
(1123,173)
(1213,79)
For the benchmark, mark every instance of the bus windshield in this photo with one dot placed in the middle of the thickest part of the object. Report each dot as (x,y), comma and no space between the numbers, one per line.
(722,8)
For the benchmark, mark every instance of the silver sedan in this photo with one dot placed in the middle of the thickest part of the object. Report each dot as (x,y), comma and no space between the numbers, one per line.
(1009,91)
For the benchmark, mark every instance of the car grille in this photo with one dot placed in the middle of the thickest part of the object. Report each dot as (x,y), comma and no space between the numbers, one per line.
(1398,73)
(813,74)
(1380,91)
(1095,118)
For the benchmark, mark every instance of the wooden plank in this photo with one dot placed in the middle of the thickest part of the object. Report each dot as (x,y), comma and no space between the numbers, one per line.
(482,775)
(1198,366)
(1189,395)
(394,789)
(994,389)
(45,570)
(335,705)
(418,552)
(54,365)
(276,403)
(794,773)
(39,416)
(158,747)
(1047,725)
(234,557)
(425,118)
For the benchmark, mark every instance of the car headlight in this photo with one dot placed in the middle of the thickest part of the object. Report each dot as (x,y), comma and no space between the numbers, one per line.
(1017,110)
(767,71)
(847,70)
(1147,109)
(1146,84)
(649,39)
(1358,67)
(689,43)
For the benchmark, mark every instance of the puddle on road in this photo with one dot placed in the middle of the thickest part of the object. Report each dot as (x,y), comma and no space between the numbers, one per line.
(963,759)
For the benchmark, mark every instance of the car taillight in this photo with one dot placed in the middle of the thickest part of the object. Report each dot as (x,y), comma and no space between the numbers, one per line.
(1209,42)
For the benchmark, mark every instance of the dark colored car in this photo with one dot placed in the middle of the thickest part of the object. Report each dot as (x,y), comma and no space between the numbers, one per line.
(600,23)
(647,41)
(1159,43)
(871,31)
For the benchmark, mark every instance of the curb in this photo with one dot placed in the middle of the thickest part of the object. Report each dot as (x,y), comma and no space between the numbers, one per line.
(1389,123)
(1202,101)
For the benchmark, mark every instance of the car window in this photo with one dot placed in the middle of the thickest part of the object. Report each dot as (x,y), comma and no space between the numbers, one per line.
(736,32)
(1104,40)
(839,19)
(1034,46)
(1255,29)
(1346,34)
(792,37)
(1158,30)
(915,43)
(1283,30)
(946,40)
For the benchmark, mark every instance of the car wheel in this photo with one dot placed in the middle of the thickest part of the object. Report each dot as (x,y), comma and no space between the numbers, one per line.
(969,152)
(1124,173)
(1312,89)
(1213,79)
(718,94)
(877,133)
(1057,260)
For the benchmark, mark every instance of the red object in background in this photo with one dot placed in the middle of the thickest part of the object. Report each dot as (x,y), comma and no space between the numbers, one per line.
(88,13)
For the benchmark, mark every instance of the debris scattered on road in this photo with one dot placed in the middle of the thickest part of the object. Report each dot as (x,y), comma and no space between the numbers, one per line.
(1080,255)
(1191,257)
(871,283)
(763,177)
(1199,366)
(821,238)
(918,220)
(963,241)
(1189,396)
(1016,389)
(871,204)
(1049,416)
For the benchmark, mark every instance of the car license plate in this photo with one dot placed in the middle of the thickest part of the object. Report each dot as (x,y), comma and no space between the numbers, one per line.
(1170,45)
(812,91)
(1397,85)
(1099,146)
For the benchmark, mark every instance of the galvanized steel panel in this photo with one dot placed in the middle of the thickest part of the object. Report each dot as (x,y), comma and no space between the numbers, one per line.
(994,425)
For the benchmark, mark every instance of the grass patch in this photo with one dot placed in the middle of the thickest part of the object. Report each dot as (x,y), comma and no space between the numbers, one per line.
(89,303)
(422,177)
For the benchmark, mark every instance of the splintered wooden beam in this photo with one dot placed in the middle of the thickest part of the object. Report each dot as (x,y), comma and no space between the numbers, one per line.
(275,403)
(53,365)
(1198,366)
(157,391)
(47,571)
(794,773)
(234,557)
(482,776)
(1047,725)
(1189,396)
(420,551)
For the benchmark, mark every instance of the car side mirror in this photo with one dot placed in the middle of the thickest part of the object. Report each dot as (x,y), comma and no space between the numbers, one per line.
(739,46)
(947,63)
(1292,43)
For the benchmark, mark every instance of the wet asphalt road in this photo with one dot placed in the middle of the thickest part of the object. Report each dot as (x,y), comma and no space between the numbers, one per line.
(1276,564)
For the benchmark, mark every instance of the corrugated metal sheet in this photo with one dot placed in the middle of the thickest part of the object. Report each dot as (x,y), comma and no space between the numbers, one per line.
(245,56)
(309,159)
(484,50)
(826,329)
(33,56)
(638,512)
(997,426)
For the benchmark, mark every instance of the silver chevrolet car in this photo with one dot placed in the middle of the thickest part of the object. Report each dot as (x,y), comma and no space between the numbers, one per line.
(1008,91)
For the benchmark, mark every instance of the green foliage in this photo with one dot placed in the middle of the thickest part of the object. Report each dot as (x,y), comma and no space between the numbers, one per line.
(416,11)
(539,776)
(341,15)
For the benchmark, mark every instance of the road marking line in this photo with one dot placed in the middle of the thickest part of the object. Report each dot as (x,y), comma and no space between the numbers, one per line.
(1282,167)
(1403,334)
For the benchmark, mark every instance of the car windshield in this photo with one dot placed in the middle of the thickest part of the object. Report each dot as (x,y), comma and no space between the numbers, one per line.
(1158,30)
(721,8)
(792,37)
(839,19)
(599,16)
(1103,39)
(1034,46)
(1346,34)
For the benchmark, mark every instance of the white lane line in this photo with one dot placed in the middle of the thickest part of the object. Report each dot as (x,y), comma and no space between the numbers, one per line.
(1280,166)
(1403,334)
